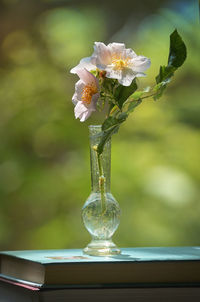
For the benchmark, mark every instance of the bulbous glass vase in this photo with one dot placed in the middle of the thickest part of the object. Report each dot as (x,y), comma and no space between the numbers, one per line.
(101,212)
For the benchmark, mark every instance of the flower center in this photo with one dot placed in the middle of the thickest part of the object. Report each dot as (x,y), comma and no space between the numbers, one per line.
(88,92)
(120,63)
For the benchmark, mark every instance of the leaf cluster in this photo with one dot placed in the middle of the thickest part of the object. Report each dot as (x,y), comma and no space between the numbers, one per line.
(124,99)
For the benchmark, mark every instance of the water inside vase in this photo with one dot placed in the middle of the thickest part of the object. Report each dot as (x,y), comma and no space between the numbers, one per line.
(101,211)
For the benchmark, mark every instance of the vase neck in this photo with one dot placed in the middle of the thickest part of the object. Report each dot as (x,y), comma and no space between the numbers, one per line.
(105,159)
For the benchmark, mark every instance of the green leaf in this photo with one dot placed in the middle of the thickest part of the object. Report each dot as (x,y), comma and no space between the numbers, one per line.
(133,105)
(105,137)
(137,95)
(166,72)
(110,126)
(177,56)
(109,122)
(160,91)
(122,93)
(177,53)
(108,84)
(112,121)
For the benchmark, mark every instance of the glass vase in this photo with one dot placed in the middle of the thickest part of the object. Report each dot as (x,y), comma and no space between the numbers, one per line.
(101,212)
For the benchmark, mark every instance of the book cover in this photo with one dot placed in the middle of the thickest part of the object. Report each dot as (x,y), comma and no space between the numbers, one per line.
(164,265)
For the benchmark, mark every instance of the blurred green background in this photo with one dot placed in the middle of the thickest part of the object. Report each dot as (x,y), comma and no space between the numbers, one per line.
(44,151)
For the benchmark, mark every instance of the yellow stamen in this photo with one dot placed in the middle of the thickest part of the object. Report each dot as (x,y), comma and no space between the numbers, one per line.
(119,62)
(88,92)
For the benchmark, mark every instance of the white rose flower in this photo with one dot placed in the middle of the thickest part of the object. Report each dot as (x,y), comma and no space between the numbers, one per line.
(86,94)
(119,63)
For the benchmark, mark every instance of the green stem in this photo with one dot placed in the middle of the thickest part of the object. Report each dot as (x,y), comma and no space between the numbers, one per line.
(102,181)
(141,98)
(148,96)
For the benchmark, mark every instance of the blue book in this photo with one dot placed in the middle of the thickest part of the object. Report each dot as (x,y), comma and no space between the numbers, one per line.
(155,266)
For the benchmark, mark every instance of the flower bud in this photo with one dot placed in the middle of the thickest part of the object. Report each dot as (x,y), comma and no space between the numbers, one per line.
(102,74)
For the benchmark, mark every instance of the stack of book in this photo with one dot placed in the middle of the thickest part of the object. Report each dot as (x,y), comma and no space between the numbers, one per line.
(167,274)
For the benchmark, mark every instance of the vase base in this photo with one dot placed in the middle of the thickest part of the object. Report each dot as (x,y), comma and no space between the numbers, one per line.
(101,248)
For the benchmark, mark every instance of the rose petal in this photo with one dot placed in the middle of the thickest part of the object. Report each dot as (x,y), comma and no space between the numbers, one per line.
(101,55)
(140,63)
(82,112)
(116,48)
(128,53)
(78,92)
(127,77)
(140,74)
(87,77)
(94,100)
(113,73)
(84,63)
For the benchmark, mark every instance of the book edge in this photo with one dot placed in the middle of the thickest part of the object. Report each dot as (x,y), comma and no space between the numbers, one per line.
(39,287)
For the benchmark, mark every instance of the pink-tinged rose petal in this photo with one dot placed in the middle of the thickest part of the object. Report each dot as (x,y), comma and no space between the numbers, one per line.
(95,98)
(141,63)
(86,95)
(128,53)
(79,86)
(101,55)
(82,112)
(87,77)
(116,48)
(127,77)
(84,63)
